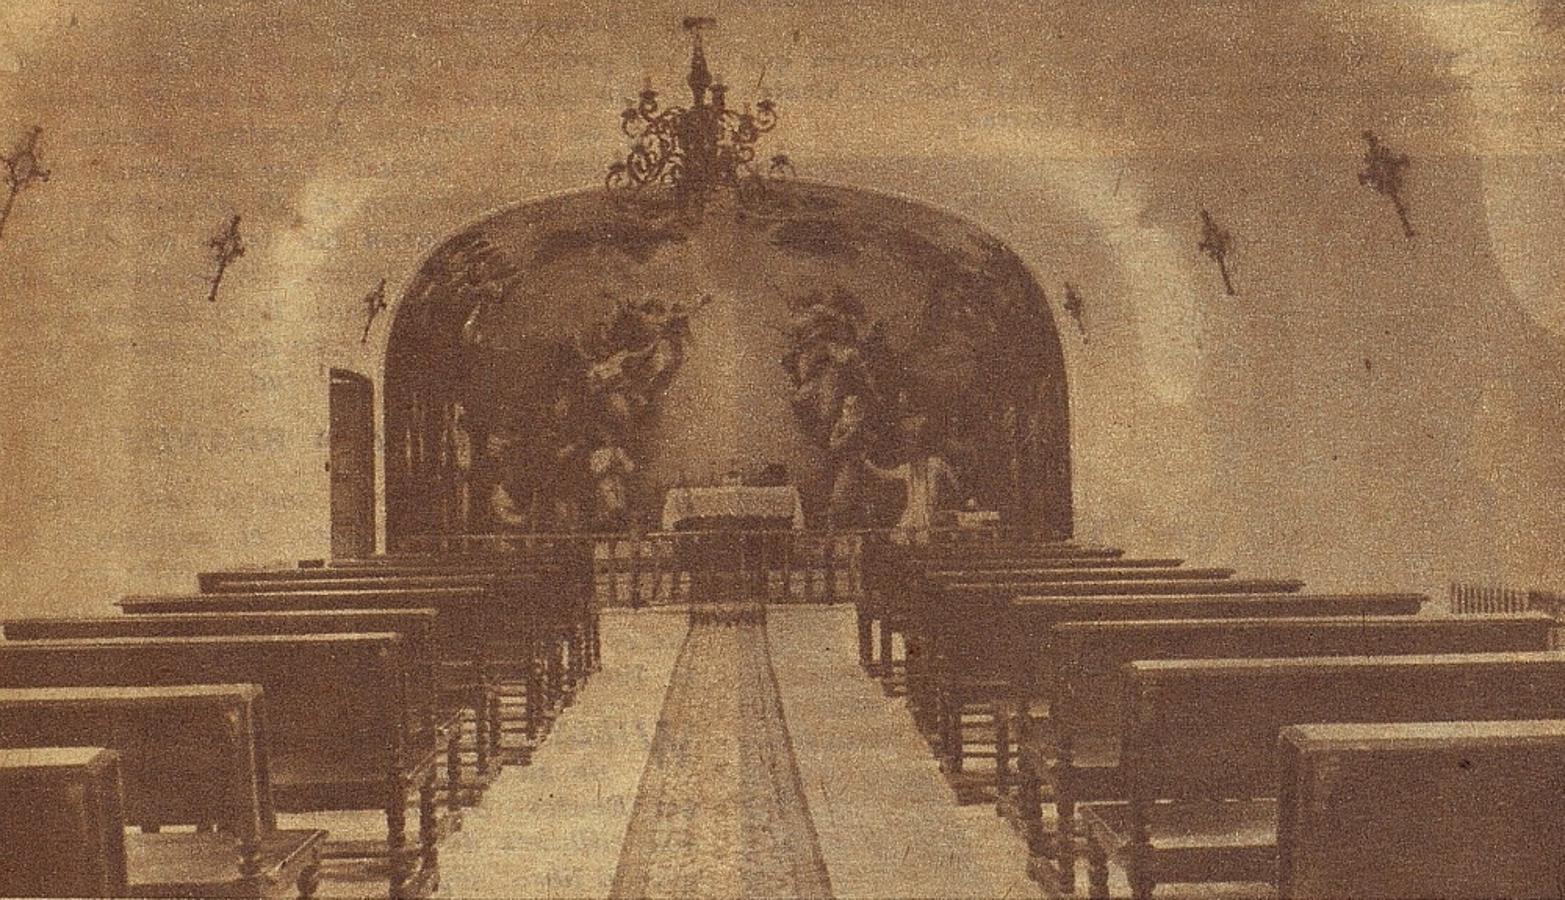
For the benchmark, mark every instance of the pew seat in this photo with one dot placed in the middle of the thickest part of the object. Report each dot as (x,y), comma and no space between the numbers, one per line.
(201,864)
(1196,825)
(1232,842)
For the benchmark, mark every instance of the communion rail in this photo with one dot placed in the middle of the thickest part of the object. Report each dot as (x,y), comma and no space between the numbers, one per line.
(671,567)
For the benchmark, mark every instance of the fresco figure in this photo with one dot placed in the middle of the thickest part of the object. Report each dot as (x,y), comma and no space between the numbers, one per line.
(610,468)
(927,479)
(462,463)
(506,514)
(846,446)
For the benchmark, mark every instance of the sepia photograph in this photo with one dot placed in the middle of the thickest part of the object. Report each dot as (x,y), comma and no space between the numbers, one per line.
(786,448)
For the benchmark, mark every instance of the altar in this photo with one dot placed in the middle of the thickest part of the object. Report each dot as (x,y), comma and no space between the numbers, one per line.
(732,537)
(732,507)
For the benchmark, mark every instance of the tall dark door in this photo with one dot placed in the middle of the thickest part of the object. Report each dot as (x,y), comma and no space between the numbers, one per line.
(352,464)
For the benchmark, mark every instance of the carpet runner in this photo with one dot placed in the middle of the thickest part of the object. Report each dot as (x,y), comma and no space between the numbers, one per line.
(720,811)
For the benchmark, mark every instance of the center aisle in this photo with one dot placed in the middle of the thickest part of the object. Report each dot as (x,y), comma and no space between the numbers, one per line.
(721,810)
(553,828)
(874,808)
(888,823)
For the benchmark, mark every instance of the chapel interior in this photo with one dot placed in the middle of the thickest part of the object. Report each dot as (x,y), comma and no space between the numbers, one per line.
(890,449)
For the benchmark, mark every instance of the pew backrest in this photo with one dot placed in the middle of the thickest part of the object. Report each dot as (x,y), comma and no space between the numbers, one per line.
(1085,669)
(61,823)
(1012,566)
(190,754)
(1208,728)
(341,697)
(515,595)
(416,626)
(464,615)
(333,580)
(1016,636)
(940,592)
(1049,575)
(1478,802)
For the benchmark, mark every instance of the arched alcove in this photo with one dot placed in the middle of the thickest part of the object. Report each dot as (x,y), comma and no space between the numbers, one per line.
(682,346)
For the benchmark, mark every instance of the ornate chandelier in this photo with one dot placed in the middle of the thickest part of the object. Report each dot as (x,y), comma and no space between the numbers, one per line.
(696,149)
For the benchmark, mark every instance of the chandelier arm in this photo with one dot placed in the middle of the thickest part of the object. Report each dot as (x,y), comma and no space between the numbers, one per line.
(696,148)
(645,164)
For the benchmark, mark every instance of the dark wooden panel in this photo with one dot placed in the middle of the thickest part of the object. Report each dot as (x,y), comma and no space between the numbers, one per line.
(61,825)
(351,463)
(1457,809)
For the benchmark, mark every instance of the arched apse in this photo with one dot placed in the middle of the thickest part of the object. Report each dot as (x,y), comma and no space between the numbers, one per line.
(554,339)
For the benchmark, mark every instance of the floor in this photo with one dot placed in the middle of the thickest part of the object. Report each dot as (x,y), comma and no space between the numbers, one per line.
(721,811)
(886,822)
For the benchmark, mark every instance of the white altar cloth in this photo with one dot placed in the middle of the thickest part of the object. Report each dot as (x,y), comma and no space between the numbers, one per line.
(732,501)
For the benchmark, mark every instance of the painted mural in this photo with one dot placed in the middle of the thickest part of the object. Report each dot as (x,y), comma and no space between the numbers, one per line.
(561,365)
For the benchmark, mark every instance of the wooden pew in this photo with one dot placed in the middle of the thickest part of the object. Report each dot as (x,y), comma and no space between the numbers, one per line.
(61,823)
(335,709)
(535,623)
(945,612)
(1073,753)
(559,577)
(466,621)
(981,549)
(891,571)
(1019,573)
(438,714)
(977,648)
(934,598)
(913,595)
(1199,749)
(250,580)
(970,591)
(190,755)
(1477,803)
(568,569)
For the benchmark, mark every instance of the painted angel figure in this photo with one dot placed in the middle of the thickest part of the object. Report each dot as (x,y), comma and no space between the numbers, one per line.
(928,480)
(828,336)
(627,376)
